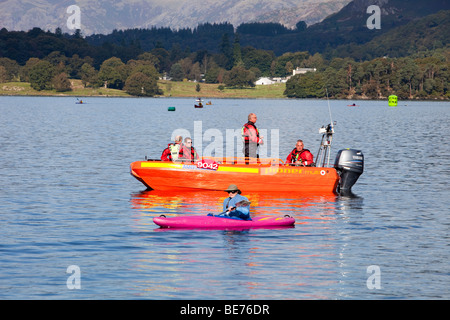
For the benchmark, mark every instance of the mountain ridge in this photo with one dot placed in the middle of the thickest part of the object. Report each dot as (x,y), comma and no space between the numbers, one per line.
(102,16)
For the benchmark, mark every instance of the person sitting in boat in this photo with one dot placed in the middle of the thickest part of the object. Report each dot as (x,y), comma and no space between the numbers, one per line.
(231,205)
(188,151)
(300,156)
(174,150)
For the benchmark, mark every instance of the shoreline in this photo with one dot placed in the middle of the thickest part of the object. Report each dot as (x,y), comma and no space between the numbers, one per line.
(441,99)
(221,98)
(176,90)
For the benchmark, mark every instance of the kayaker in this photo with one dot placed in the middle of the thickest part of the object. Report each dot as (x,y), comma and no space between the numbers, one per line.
(229,204)
(300,156)
(250,135)
(173,150)
(188,151)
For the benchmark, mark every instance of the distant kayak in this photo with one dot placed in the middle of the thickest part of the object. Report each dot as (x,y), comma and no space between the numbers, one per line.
(222,222)
(353,105)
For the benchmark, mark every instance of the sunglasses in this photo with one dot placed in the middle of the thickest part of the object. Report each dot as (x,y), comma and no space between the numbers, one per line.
(232,191)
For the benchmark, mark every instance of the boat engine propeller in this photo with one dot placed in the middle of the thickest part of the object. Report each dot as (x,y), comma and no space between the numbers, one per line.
(349,164)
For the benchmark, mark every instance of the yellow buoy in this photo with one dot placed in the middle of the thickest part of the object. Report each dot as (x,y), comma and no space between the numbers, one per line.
(393,101)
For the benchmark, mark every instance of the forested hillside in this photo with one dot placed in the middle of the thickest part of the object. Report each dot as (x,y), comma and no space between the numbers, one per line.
(410,60)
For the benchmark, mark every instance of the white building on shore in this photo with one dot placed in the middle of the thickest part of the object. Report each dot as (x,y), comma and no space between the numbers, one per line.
(302,70)
(264,81)
(268,81)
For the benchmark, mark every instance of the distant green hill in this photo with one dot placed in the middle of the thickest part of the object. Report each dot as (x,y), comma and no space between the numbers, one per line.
(349,26)
(394,13)
(428,33)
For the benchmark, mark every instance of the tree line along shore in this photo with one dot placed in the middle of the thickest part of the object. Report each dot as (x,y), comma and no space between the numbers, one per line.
(426,76)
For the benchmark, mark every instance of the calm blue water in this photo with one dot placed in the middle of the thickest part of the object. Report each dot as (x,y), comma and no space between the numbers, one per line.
(67,198)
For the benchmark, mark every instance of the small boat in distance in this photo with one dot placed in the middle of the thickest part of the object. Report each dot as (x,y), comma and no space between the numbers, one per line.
(198,103)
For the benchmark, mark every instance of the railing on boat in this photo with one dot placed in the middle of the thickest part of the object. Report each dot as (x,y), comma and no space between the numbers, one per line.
(266,162)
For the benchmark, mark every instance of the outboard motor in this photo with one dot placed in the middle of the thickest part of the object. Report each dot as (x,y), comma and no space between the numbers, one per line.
(349,164)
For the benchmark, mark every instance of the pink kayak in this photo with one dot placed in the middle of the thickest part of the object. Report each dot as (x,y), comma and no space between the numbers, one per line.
(215,222)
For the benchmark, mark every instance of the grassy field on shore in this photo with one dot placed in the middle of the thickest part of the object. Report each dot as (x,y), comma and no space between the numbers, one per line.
(170,89)
(188,89)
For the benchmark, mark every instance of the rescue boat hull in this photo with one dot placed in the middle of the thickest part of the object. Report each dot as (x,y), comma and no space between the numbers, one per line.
(161,175)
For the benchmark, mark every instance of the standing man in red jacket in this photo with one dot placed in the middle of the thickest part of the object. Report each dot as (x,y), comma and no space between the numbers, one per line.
(300,156)
(251,137)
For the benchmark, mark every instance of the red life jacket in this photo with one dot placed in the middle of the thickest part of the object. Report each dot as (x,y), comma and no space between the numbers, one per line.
(169,154)
(305,156)
(250,133)
(188,153)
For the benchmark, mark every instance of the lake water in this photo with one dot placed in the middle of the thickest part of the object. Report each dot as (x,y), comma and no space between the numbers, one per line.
(67,199)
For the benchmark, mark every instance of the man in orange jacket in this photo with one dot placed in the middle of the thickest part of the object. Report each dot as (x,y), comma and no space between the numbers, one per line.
(251,137)
(300,156)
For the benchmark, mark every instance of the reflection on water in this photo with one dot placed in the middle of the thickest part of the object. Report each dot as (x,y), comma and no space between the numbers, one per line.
(152,203)
(176,202)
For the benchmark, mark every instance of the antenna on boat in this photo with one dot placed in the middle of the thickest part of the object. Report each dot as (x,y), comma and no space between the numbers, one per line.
(323,155)
(329,109)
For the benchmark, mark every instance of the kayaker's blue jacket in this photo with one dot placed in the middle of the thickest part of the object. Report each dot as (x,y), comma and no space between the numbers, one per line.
(239,212)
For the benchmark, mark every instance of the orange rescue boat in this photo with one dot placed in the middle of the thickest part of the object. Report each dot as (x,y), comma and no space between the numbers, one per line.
(218,174)
(256,175)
